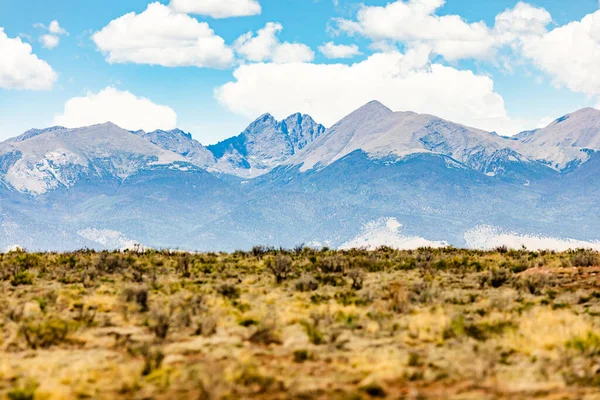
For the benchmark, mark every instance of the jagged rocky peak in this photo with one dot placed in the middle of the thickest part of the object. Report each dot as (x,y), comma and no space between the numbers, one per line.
(265,144)
(302,130)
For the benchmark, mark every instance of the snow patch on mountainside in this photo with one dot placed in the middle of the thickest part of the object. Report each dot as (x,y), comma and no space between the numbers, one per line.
(109,239)
(48,159)
(387,232)
(486,237)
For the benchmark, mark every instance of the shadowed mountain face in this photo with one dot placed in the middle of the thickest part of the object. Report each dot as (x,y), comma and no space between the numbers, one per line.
(100,186)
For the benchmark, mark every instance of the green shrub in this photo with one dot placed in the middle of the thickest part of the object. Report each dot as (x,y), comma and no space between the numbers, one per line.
(45,333)
(229,291)
(22,278)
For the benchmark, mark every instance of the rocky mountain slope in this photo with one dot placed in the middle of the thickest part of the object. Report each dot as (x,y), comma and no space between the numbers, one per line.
(379,132)
(181,143)
(566,142)
(265,144)
(45,160)
(66,188)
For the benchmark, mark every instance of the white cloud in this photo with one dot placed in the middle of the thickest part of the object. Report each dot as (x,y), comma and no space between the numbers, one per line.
(520,22)
(332,50)
(569,54)
(217,8)
(161,36)
(414,22)
(20,68)
(55,28)
(51,39)
(120,107)
(403,82)
(265,46)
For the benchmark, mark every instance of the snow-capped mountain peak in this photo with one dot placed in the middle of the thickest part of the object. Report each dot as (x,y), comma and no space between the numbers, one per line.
(265,144)
(376,130)
(566,141)
(58,157)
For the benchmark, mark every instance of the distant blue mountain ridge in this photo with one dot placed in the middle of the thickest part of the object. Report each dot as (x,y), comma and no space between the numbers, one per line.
(376,177)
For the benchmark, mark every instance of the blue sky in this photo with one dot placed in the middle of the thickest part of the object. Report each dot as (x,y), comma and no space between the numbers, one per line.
(497,77)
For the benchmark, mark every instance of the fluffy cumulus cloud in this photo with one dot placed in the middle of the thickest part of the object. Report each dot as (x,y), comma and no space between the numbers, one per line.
(332,50)
(120,107)
(401,81)
(266,46)
(20,68)
(570,54)
(161,36)
(414,21)
(218,8)
(521,22)
(51,39)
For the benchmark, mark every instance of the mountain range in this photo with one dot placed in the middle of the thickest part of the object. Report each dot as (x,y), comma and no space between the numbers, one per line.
(375,177)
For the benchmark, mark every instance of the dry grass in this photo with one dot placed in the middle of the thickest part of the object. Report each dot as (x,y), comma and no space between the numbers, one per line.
(300,324)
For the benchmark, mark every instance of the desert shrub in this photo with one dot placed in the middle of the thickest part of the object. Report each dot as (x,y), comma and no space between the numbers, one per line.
(46,333)
(350,297)
(586,258)
(21,278)
(495,278)
(319,298)
(250,376)
(302,355)
(589,346)
(247,322)
(160,323)
(502,249)
(482,331)
(153,358)
(307,283)
(534,284)
(139,295)
(397,297)
(206,326)
(280,267)
(265,335)
(259,251)
(299,249)
(315,335)
(357,278)
(333,264)
(422,292)
(23,393)
(581,361)
(334,280)
(85,315)
(229,291)
(183,265)
(374,390)
(197,304)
